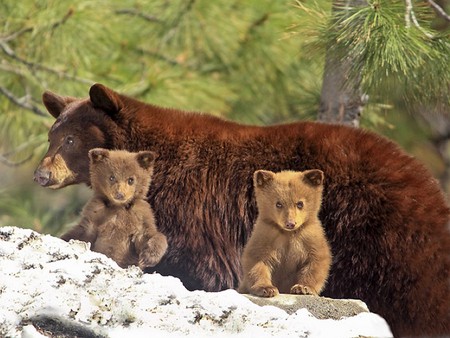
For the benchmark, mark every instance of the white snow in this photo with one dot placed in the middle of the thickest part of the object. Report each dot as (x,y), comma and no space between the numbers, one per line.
(42,276)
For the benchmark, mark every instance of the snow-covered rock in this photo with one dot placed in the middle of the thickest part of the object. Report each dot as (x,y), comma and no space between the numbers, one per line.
(52,288)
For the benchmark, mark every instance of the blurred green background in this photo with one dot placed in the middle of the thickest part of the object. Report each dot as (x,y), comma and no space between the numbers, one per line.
(253,61)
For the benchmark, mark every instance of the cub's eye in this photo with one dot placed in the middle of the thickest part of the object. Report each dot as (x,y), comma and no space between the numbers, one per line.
(69,140)
(112,178)
(300,205)
(131,181)
(279,205)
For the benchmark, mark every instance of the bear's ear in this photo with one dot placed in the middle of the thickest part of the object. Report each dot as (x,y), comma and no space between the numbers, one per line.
(55,103)
(146,159)
(262,177)
(314,177)
(98,155)
(106,99)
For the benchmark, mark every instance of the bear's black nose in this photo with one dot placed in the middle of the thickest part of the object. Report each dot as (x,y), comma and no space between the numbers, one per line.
(42,177)
(290,225)
(119,196)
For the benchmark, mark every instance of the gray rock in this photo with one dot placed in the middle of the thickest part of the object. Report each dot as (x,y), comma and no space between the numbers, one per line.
(320,307)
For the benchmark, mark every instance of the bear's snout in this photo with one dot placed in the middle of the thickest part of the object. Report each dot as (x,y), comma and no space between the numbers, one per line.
(119,196)
(290,225)
(42,177)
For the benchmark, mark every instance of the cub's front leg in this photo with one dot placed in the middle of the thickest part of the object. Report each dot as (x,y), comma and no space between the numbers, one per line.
(84,231)
(258,281)
(93,214)
(312,278)
(152,250)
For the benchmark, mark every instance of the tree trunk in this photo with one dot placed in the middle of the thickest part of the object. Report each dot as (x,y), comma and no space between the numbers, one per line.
(341,102)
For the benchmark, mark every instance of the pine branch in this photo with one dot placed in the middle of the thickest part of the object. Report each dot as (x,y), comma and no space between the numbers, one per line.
(410,15)
(251,30)
(259,22)
(9,163)
(11,69)
(439,9)
(54,25)
(5,47)
(16,34)
(409,9)
(187,9)
(22,102)
(159,56)
(32,65)
(177,21)
(63,20)
(139,14)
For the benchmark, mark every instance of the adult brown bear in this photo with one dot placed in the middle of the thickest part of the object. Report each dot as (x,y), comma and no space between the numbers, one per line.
(384,215)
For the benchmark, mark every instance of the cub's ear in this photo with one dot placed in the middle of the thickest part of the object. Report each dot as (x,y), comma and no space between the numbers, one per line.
(314,177)
(146,159)
(106,99)
(55,103)
(98,155)
(262,177)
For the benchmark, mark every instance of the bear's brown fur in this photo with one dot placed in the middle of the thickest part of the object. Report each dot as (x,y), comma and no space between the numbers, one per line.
(384,214)
(287,251)
(117,220)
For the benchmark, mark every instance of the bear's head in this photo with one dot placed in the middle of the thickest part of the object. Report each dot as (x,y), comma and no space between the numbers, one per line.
(288,199)
(81,125)
(119,176)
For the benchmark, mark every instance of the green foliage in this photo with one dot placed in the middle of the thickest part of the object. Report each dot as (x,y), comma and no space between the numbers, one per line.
(255,61)
(392,56)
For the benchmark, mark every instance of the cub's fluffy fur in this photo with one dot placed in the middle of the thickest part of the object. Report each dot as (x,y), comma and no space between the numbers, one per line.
(287,251)
(118,221)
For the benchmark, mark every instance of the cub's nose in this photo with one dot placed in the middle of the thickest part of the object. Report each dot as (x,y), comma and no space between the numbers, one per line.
(42,177)
(290,225)
(119,196)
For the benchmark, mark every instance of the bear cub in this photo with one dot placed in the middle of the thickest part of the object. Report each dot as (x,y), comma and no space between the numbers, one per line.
(117,220)
(287,251)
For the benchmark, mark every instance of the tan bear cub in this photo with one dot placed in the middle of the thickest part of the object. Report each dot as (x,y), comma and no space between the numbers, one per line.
(118,221)
(287,251)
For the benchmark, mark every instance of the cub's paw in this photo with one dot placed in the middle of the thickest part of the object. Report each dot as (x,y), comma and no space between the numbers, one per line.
(148,260)
(153,252)
(299,289)
(265,291)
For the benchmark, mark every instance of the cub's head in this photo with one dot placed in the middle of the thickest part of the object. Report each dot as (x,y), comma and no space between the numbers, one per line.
(120,176)
(288,199)
(80,125)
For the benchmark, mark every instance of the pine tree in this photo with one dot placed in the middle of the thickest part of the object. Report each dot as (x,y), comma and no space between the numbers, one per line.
(387,49)
(341,100)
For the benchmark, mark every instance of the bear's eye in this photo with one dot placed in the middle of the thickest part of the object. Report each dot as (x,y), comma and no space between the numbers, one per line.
(69,140)
(279,205)
(300,205)
(112,178)
(131,181)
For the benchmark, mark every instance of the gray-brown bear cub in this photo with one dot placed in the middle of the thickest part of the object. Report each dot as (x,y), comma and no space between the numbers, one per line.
(287,251)
(117,220)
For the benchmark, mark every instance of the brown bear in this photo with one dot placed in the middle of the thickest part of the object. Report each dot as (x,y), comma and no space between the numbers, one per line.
(287,251)
(117,220)
(384,214)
